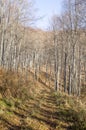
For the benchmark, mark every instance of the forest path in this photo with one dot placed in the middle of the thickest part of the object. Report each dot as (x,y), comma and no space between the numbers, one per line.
(41,110)
(44,109)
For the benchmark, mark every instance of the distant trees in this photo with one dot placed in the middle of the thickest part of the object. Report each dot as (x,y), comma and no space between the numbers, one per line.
(13,16)
(68,30)
(59,52)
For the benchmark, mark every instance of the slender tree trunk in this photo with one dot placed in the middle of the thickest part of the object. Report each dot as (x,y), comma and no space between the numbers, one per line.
(65,86)
(56,71)
(79,73)
(70,88)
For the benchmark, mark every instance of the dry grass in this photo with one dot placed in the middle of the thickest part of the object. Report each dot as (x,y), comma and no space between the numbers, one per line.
(33,105)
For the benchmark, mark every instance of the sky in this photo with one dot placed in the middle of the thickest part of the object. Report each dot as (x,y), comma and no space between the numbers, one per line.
(45,10)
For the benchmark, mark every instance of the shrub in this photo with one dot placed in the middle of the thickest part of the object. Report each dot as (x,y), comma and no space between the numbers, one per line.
(80,120)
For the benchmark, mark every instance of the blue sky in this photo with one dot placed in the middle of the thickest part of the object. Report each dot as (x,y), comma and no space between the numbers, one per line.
(46,8)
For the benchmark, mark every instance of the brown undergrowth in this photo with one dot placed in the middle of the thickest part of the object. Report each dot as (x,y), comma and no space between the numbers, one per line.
(33,105)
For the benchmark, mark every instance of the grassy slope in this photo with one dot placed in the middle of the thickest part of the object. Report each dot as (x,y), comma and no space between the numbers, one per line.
(40,109)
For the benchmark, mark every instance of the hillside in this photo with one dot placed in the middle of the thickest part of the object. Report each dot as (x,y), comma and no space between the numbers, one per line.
(39,108)
(42,72)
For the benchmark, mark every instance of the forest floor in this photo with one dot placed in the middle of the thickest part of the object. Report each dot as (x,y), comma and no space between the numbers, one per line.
(44,109)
